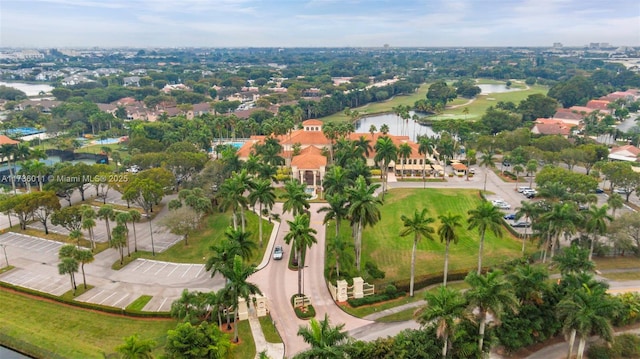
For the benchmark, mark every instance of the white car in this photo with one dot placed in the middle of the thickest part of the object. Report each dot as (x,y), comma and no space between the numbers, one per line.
(521,189)
(501,204)
(278,253)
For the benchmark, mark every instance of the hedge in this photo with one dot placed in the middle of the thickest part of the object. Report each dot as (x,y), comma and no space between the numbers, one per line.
(371,299)
(431,279)
(85,305)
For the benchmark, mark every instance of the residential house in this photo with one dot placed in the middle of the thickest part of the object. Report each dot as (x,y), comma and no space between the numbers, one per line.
(131,81)
(627,153)
(550,126)
(568,116)
(599,105)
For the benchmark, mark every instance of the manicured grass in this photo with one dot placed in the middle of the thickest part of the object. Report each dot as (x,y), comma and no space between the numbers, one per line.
(212,233)
(246,349)
(6,269)
(383,245)
(403,315)
(622,276)
(79,291)
(71,332)
(628,262)
(269,330)
(139,303)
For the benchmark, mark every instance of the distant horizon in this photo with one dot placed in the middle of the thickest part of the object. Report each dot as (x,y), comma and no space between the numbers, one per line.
(316,23)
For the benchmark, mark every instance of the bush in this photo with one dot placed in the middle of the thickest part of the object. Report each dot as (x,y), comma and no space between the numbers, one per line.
(375,173)
(510,175)
(623,346)
(390,289)
(371,299)
(431,279)
(309,313)
(374,271)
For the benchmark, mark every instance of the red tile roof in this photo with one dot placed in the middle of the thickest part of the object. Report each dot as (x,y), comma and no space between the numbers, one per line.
(312,122)
(4,140)
(598,105)
(309,158)
(629,148)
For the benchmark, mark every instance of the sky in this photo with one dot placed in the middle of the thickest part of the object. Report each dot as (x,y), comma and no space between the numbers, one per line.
(317,23)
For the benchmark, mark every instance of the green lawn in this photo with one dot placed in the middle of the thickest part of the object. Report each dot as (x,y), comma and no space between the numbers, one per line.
(628,262)
(212,232)
(269,330)
(71,332)
(246,349)
(383,245)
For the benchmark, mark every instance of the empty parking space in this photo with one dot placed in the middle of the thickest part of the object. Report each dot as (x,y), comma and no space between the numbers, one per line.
(99,231)
(109,297)
(158,269)
(159,304)
(57,285)
(32,244)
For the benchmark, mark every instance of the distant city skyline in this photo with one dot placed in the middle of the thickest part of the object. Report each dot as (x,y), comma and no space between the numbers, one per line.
(317,23)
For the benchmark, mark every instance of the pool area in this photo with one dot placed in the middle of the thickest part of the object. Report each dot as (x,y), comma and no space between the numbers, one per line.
(312,192)
(22,131)
(52,160)
(107,141)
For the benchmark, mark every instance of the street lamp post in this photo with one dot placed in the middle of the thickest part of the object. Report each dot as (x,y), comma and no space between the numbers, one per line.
(4,248)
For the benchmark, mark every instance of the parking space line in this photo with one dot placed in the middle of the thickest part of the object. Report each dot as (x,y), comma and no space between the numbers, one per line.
(161,304)
(107,298)
(152,265)
(158,271)
(120,300)
(142,262)
(90,299)
(185,272)
(30,279)
(174,269)
(200,271)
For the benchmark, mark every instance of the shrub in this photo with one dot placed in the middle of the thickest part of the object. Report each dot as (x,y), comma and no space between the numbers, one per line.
(510,175)
(623,346)
(375,173)
(390,289)
(310,312)
(374,271)
(430,279)
(371,299)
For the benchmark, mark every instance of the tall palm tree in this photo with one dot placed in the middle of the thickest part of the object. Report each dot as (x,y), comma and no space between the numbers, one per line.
(303,237)
(445,308)
(296,199)
(136,348)
(485,217)
(596,223)
(107,213)
(135,217)
(232,197)
(585,312)
(615,201)
(263,193)
(237,275)
(574,260)
(222,257)
(487,161)
(83,256)
(339,249)
(530,212)
(562,219)
(119,240)
(325,340)
(336,210)
(122,218)
(529,283)
(426,146)
(420,226)
(363,145)
(490,294)
(386,152)
(447,233)
(88,223)
(404,151)
(363,211)
(242,240)
(336,180)
(531,167)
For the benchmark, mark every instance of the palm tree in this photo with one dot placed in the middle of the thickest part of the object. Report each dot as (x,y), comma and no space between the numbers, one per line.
(447,233)
(489,294)
(596,223)
(325,340)
(75,235)
(107,213)
(585,312)
(83,256)
(529,211)
(136,348)
(517,169)
(340,249)
(135,217)
(574,260)
(336,210)
(615,201)
(531,167)
(445,308)
(426,146)
(122,218)
(485,217)
(487,161)
(237,275)
(232,197)
(363,145)
(119,240)
(296,199)
(386,151)
(243,241)
(88,223)
(302,236)
(562,219)
(262,192)
(529,283)
(419,226)
(336,180)
(222,257)
(404,151)
(363,211)
(68,264)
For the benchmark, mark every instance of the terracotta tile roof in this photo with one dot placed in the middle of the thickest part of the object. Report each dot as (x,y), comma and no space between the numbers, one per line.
(629,148)
(309,158)
(567,114)
(598,105)
(312,122)
(580,109)
(4,140)
(552,129)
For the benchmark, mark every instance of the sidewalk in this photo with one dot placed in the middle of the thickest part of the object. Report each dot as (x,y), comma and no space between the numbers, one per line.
(273,350)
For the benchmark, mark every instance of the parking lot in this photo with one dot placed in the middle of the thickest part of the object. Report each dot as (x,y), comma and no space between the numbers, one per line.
(29,243)
(39,282)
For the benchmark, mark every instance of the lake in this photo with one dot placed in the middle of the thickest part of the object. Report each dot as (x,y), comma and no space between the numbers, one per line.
(6,353)
(410,128)
(29,89)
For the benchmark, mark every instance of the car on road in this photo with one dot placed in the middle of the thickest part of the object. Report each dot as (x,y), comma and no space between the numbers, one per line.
(501,204)
(521,224)
(599,191)
(278,253)
(622,191)
(510,216)
(530,193)
(524,188)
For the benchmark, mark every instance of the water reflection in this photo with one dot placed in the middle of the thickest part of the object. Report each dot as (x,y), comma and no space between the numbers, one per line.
(397,126)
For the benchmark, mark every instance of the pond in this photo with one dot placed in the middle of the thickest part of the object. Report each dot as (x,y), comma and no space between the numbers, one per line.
(397,126)
(496,88)
(6,353)
(29,89)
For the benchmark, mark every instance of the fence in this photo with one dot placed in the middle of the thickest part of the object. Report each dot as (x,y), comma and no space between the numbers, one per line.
(342,291)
